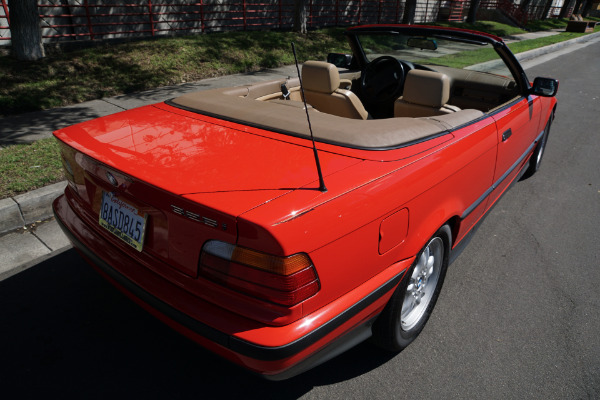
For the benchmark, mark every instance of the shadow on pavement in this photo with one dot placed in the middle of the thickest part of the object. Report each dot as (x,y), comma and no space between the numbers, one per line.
(64,330)
(20,128)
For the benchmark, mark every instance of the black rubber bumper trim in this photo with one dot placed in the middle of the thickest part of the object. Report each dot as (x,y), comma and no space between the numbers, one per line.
(237,345)
(277,353)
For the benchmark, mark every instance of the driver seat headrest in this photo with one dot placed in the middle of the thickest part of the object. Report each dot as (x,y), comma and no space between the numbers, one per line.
(427,88)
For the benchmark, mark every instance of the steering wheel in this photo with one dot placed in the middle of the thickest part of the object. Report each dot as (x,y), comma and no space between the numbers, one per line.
(382,81)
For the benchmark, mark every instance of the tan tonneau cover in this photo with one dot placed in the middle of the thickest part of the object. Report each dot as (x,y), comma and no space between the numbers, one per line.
(235,104)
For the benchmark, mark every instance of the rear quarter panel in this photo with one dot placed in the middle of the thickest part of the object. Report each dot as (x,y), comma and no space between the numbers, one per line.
(342,233)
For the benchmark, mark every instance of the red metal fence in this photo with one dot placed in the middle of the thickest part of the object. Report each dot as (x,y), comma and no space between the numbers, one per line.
(98,19)
(4,21)
(91,19)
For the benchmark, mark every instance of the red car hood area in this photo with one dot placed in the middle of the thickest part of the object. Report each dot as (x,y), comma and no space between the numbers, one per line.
(191,154)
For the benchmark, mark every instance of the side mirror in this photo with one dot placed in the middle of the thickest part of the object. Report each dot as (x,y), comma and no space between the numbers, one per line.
(340,60)
(546,87)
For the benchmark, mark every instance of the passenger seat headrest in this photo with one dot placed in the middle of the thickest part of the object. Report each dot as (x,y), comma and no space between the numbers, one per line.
(428,88)
(320,76)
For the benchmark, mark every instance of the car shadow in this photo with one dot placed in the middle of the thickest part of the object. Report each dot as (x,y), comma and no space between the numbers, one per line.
(65,330)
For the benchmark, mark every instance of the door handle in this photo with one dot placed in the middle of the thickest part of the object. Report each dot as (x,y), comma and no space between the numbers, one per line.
(506,135)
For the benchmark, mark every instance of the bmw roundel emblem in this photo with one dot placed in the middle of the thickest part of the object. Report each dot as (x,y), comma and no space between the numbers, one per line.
(112,179)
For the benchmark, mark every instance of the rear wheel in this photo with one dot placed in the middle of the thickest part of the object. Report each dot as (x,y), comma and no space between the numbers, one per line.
(412,303)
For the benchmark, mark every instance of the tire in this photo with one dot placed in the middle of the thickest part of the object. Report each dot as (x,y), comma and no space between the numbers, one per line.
(536,158)
(410,306)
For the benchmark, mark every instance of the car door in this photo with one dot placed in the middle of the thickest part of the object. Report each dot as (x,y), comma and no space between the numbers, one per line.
(518,127)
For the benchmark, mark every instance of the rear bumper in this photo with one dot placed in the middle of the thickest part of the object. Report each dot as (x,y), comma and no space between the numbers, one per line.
(339,333)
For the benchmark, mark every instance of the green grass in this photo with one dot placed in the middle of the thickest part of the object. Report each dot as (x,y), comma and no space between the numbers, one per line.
(26,167)
(71,77)
(547,24)
(491,27)
(462,59)
(521,46)
(466,58)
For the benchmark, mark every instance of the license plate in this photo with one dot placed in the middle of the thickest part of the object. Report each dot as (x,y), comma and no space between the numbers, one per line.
(123,220)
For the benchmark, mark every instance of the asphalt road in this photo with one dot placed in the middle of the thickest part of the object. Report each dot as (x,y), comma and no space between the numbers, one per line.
(518,318)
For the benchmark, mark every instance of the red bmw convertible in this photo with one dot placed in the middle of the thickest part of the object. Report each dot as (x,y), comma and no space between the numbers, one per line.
(279,224)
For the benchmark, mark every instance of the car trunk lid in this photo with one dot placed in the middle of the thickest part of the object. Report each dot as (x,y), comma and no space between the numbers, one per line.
(160,161)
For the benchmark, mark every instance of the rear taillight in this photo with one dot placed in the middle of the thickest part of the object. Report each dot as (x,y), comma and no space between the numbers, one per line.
(68,158)
(281,280)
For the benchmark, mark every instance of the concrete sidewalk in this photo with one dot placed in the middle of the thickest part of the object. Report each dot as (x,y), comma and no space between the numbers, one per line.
(28,233)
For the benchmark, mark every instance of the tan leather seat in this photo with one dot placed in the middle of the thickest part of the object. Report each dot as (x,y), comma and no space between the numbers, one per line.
(321,83)
(425,94)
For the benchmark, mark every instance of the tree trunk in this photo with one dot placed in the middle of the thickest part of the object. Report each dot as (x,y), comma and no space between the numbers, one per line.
(472,17)
(524,5)
(565,9)
(546,9)
(409,12)
(586,8)
(300,16)
(576,9)
(25,31)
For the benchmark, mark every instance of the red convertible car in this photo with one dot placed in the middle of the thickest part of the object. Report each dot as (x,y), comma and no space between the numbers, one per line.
(218,214)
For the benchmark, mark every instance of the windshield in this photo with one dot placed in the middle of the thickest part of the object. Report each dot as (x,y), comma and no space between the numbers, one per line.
(432,51)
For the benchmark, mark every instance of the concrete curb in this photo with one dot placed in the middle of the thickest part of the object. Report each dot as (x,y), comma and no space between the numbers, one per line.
(10,215)
(528,55)
(30,207)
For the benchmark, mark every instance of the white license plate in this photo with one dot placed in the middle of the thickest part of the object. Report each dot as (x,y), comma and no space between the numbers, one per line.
(123,220)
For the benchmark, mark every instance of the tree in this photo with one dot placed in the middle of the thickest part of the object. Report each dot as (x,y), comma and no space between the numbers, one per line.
(25,31)
(577,8)
(524,5)
(472,17)
(564,10)
(586,8)
(546,9)
(300,16)
(409,12)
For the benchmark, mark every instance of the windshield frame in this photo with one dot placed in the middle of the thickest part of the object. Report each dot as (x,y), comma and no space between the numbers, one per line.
(504,53)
